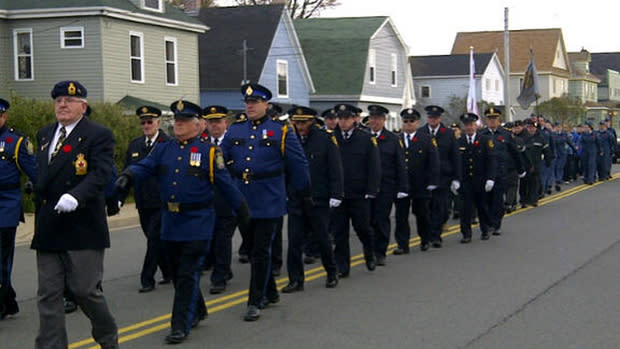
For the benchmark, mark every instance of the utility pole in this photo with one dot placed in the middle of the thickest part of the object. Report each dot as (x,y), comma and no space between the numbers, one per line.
(507,103)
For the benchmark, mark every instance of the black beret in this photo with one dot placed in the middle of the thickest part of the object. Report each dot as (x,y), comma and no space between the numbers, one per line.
(69,88)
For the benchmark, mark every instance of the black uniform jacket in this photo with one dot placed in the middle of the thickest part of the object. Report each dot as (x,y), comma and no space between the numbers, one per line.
(360,163)
(479,161)
(393,172)
(82,168)
(450,166)
(422,163)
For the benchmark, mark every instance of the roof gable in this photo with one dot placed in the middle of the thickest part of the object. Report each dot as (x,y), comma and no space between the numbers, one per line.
(336,51)
(543,42)
(221,56)
(448,65)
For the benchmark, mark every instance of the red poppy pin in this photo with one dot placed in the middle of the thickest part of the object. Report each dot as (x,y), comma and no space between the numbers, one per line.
(66,148)
(442,130)
(193,149)
(476,143)
(415,139)
(204,135)
(269,133)
(160,139)
(8,140)
(500,138)
(382,137)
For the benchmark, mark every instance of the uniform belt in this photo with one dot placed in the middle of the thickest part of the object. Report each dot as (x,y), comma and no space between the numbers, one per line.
(9,186)
(249,176)
(179,207)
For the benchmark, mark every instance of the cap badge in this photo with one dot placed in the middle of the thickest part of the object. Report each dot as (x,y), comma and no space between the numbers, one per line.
(144,109)
(213,109)
(71,89)
(249,91)
(180,106)
(299,112)
(343,107)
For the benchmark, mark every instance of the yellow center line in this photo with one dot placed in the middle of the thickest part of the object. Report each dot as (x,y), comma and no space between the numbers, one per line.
(240,297)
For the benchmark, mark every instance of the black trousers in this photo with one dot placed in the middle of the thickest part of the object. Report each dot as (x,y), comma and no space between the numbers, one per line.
(262,283)
(495,202)
(8,302)
(380,209)
(439,212)
(276,254)
(420,207)
(186,259)
(221,249)
(299,227)
(358,212)
(531,188)
(150,221)
(512,185)
(474,198)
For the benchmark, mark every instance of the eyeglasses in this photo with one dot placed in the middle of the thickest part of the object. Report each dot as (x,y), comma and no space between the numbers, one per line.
(147,122)
(409,121)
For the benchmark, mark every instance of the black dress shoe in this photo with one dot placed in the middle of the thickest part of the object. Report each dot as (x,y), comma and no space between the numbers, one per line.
(217,289)
(293,286)
(176,337)
(146,289)
(70,307)
(381,261)
(13,309)
(557,187)
(309,260)
(484,236)
(398,251)
(252,314)
(424,246)
(371,264)
(243,258)
(164,281)
(436,244)
(332,281)
(465,240)
(497,232)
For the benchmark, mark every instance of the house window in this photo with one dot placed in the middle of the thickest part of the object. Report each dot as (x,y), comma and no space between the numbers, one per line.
(282,70)
(425,91)
(153,5)
(394,69)
(372,63)
(22,42)
(72,37)
(171,61)
(496,85)
(136,56)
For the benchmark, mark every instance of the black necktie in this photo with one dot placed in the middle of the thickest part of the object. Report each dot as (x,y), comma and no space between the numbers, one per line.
(149,143)
(216,141)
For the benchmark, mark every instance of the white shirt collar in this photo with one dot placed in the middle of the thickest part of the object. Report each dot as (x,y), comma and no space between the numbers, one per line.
(153,138)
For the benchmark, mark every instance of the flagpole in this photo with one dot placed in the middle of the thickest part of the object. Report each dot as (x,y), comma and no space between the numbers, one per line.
(508,111)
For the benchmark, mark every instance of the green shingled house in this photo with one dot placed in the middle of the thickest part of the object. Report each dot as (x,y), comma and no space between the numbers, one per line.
(361,61)
(119,49)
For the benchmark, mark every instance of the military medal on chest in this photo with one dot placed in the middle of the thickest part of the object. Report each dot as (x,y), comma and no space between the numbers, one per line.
(194,157)
(81,166)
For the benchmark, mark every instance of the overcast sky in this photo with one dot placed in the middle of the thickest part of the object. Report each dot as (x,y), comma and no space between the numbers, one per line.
(429,27)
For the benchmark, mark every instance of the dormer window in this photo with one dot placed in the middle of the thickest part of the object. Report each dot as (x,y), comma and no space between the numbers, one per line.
(153,5)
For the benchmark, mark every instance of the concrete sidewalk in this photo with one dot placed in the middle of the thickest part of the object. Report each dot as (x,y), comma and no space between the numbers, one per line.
(127,217)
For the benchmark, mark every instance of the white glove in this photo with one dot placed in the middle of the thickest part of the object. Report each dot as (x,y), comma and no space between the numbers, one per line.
(521,175)
(66,203)
(454,187)
(334,202)
(401,195)
(120,204)
(488,186)
(368,196)
(431,187)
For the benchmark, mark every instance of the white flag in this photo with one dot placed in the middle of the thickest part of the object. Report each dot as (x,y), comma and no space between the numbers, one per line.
(472,105)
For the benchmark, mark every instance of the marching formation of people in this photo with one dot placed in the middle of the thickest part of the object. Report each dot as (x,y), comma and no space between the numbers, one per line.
(192,189)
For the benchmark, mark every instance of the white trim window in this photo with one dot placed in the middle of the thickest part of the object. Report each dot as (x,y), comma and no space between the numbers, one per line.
(170,51)
(136,57)
(23,56)
(372,66)
(425,91)
(72,37)
(153,5)
(282,75)
(394,72)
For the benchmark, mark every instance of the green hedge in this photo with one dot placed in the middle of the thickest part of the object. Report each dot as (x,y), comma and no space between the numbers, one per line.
(29,115)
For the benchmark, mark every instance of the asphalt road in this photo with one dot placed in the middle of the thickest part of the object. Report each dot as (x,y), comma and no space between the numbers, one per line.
(550,281)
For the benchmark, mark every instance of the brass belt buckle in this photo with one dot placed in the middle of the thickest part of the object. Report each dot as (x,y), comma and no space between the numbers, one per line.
(174,207)
(246,177)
